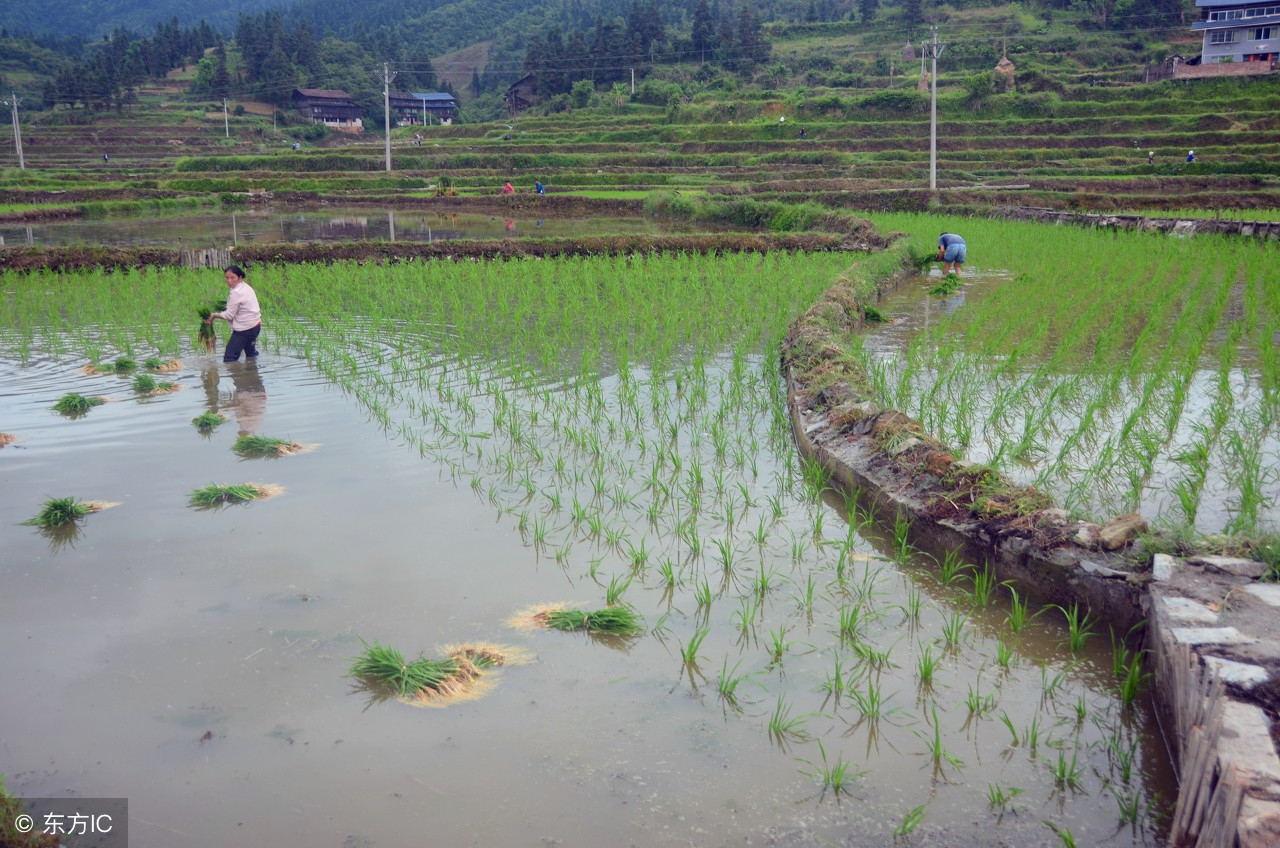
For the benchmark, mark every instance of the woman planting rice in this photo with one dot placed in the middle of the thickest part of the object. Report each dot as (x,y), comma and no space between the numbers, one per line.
(242,313)
(951,253)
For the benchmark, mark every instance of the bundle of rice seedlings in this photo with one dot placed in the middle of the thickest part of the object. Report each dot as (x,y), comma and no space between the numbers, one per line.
(254,445)
(950,285)
(72,403)
(423,679)
(205,336)
(58,512)
(206,421)
(124,363)
(7,439)
(147,384)
(217,494)
(618,620)
(155,363)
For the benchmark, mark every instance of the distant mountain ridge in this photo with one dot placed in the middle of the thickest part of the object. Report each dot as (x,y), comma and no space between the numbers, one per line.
(95,18)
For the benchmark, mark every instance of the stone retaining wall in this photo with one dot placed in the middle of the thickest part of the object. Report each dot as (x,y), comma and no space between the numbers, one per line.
(1180,226)
(1213,631)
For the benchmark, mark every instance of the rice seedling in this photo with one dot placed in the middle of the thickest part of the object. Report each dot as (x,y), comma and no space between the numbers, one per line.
(729,680)
(689,650)
(1004,654)
(1130,804)
(953,568)
(618,621)
(872,703)
(255,445)
(783,726)
(1123,757)
(1135,680)
(834,684)
(978,703)
(702,594)
(207,421)
(984,587)
(1066,773)
(938,752)
(902,546)
(617,586)
(804,600)
(216,494)
(778,645)
(953,627)
(1018,617)
(1063,833)
(144,383)
(76,404)
(909,822)
(1013,731)
(59,512)
(834,776)
(667,571)
(999,797)
(1078,626)
(927,665)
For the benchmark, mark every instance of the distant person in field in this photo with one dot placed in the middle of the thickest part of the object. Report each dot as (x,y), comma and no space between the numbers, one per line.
(105,158)
(1191,156)
(539,187)
(802,133)
(1151,158)
(242,313)
(508,188)
(951,253)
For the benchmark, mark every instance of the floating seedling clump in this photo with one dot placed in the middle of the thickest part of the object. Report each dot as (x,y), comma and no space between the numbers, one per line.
(76,404)
(7,439)
(155,363)
(950,285)
(216,494)
(382,667)
(616,620)
(206,421)
(59,512)
(148,385)
(255,445)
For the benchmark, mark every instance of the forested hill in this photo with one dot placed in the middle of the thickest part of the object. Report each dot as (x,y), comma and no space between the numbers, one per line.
(95,18)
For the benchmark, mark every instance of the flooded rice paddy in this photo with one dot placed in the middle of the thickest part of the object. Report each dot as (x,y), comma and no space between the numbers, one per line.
(1118,372)
(487,438)
(254,226)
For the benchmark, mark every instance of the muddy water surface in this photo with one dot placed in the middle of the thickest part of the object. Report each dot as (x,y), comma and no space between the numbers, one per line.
(194,661)
(225,229)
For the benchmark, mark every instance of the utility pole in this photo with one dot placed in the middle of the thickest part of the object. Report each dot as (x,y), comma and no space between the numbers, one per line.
(17,130)
(934,50)
(387,77)
(633,80)
(226,125)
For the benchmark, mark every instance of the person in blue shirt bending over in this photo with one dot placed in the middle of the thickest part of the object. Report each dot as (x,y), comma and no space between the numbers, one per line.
(951,250)
(539,187)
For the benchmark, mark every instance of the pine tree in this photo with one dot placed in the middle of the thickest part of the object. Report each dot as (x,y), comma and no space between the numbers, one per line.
(703,35)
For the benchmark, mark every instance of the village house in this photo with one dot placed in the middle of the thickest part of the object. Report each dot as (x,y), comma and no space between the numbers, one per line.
(332,107)
(423,107)
(521,94)
(1236,31)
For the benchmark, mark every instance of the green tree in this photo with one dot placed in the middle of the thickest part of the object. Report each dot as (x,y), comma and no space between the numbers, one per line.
(583,91)
(867,10)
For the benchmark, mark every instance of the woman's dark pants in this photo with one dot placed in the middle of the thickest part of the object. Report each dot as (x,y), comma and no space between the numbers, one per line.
(242,340)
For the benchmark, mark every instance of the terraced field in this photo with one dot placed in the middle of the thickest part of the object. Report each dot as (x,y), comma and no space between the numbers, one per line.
(1084,149)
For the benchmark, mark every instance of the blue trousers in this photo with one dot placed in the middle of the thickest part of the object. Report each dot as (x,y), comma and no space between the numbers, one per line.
(242,341)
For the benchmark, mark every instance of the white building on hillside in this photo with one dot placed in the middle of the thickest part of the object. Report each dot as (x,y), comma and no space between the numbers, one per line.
(1236,31)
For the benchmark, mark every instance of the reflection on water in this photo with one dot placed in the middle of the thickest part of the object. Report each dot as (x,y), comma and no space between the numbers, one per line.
(223,229)
(246,400)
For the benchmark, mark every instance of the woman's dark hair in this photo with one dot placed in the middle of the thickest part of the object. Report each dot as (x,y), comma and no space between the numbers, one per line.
(235,269)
